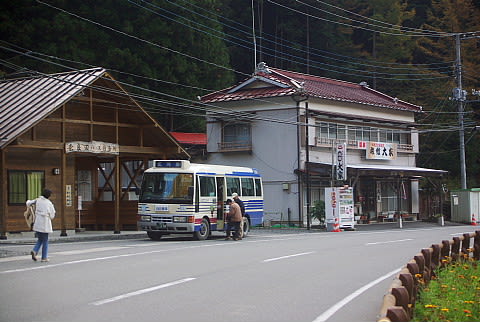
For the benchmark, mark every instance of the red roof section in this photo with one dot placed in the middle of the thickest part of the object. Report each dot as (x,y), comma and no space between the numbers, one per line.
(286,83)
(190,138)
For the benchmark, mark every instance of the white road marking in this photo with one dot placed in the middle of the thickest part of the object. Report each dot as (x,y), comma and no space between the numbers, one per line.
(467,232)
(70,252)
(284,257)
(140,292)
(390,241)
(88,250)
(52,265)
(333,309)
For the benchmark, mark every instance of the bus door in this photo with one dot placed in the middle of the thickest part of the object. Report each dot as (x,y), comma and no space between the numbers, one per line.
(220,202)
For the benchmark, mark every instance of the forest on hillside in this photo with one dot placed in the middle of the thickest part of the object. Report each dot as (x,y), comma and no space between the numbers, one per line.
(169,52)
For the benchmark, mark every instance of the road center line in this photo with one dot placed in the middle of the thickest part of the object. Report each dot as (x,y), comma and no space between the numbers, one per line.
(140,292)
(333,309)
(388,242)
(284,257)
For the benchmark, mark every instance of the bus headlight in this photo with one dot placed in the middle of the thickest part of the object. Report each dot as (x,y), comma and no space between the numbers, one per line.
(146,218)
(180,219)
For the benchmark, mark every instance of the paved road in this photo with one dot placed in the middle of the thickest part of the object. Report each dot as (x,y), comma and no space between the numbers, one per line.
(266,277)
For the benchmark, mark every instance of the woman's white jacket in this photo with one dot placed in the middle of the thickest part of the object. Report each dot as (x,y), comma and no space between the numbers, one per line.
(44,213)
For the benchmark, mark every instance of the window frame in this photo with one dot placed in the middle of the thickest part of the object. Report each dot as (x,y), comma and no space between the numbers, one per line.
(233,188)
(250,187)
(237,136)
(207,185)
(25,174)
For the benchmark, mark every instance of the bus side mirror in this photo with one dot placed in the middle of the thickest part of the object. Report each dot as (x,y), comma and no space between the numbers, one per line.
(190,191)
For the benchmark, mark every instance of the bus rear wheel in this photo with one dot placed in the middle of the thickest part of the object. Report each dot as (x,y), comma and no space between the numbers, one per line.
(246,227)
(204,231)
(153,235)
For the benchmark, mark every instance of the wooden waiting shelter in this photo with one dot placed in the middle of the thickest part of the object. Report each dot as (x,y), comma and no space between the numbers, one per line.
(81,135)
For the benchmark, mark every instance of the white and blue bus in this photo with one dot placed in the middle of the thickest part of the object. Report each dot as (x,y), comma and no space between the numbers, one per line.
(179,197)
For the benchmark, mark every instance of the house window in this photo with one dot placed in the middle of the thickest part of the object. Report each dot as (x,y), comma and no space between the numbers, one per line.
(239,133)
(237,136)
(24,185)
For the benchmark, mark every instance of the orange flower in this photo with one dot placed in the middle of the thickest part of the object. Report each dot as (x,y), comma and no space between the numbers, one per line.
(467,311)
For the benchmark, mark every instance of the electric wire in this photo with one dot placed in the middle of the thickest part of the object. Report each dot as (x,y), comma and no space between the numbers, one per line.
(214,111)
(388,25)
(294,45)
(214,64)
(267,50)
(412,34)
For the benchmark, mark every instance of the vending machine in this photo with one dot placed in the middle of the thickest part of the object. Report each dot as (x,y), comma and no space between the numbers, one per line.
(339,208)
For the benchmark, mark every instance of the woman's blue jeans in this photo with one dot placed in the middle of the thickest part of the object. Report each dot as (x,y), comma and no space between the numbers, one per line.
(42,241)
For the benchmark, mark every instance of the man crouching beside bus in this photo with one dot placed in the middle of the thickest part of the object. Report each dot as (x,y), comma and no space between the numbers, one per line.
(234,218)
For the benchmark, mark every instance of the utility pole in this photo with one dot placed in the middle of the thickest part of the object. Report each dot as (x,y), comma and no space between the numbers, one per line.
(460,95)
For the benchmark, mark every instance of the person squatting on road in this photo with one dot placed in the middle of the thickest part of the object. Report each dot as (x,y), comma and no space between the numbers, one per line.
(44,213)
(234,217)
(237,200)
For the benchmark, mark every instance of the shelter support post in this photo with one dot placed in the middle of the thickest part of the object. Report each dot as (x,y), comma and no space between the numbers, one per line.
(3,196)
(118,191)
(63,199)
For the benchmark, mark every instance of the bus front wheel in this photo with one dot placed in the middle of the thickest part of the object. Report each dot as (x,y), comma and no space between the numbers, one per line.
(204,231)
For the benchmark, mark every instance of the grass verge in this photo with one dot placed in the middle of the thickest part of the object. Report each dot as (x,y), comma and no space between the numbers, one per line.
(453,295)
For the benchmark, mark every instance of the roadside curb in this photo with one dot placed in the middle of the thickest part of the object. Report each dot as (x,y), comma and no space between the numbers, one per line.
(77,237)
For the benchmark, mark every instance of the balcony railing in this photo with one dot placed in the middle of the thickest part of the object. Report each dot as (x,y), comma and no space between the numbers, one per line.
(353,144)
(234,146)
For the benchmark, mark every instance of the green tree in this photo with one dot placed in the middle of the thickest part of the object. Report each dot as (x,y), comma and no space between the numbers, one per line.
(441,150)
(155,40)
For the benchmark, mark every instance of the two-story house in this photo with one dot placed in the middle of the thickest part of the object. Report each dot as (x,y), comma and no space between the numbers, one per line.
(292,127)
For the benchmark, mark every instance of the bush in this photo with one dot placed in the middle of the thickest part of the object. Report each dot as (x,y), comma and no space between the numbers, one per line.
(318,211)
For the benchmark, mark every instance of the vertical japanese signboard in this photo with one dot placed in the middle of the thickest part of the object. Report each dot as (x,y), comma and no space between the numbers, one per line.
(339,204)
(341,162)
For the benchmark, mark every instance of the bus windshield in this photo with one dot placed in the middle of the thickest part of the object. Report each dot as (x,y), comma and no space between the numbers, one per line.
(166,188)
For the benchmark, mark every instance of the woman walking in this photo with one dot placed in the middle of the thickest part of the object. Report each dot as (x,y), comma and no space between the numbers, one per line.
(44,213)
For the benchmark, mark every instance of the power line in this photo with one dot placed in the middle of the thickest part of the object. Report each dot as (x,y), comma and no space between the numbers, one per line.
(223,67)
(140,39)
(295,45)
(359,27)
(300,60)
(389,25)
(214,110)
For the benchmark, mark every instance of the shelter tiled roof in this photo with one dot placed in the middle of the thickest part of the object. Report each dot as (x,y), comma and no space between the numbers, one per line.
(276,83)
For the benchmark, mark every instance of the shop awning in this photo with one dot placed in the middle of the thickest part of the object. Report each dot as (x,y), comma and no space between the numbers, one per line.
(383,168)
